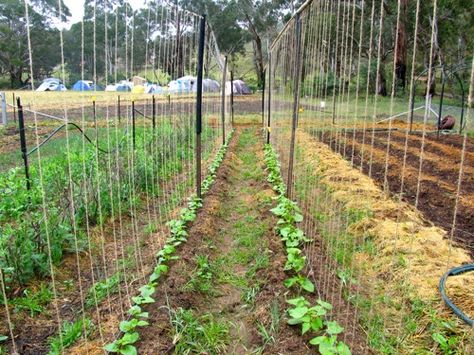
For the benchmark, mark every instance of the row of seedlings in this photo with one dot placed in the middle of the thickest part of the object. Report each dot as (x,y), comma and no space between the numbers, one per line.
(311,317)
(178,234)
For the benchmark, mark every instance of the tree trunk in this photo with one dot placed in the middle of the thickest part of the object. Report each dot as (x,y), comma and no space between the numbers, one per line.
(401,47)
(15,77)
(258,52)
(381,83)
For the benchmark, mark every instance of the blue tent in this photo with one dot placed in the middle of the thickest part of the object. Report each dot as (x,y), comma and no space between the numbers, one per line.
(86,85)
(83,85)
(123,87)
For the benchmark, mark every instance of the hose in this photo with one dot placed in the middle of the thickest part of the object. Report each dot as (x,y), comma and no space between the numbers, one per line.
(442,283)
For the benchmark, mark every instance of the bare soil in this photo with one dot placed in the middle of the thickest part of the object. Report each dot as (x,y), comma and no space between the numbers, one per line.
(438,179)
(216,232)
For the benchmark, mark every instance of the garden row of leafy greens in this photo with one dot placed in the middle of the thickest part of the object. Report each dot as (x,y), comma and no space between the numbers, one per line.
(302,312)
(99,183)
(178,234)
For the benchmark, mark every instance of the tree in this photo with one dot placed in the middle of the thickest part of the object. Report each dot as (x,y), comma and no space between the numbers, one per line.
(14,50)
(259,17)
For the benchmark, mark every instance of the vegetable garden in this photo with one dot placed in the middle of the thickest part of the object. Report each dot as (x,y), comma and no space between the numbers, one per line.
(317,216)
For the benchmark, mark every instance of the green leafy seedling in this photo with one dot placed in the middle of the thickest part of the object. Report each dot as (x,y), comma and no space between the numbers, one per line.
(300,280)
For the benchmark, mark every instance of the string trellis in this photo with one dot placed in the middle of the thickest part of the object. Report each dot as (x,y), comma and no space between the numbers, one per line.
(104,184)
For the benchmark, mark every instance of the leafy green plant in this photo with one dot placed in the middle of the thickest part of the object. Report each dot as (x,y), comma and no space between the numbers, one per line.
(70,333)
(300,280)
(100,290)
(178,234)
(32,301)
(310,317)
(124,345)
(447,344)
(201,281)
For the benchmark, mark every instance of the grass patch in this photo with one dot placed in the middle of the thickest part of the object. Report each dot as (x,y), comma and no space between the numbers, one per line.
(70,333)
(199,335)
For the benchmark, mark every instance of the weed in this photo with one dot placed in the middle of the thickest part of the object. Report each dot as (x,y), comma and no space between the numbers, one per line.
(70,333)
(198,335)
(100,290)
(33,301)
(201,280)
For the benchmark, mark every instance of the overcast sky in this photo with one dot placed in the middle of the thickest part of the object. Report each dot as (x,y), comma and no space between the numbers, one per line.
(76,7)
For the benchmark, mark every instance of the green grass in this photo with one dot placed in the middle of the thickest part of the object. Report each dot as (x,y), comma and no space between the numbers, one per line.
(70,333)
(198,334)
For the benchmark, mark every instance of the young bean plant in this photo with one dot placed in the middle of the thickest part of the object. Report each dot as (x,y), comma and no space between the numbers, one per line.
(312,318)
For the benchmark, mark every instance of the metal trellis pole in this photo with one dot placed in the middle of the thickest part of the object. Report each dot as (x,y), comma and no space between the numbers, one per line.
(153,113)
(133,126)
(202,35)
(232,96)
(224,78)
(269,95)
(263,97)
(296,96)
(24,153)
(118,108)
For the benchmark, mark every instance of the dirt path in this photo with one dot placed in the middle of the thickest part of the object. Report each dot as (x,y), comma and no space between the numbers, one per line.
(225,294)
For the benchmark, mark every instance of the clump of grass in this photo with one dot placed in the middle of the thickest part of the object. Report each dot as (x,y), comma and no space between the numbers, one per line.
(203,335)
(201,280)
(70,333)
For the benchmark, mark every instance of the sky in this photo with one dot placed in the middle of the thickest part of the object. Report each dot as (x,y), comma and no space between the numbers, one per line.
(76,7)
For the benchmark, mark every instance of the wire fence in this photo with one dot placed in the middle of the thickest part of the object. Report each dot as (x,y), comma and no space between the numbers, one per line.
(84,203)
(385,191)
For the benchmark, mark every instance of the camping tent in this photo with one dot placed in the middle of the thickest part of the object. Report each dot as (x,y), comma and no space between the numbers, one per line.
(51,84)
(138,89)
(239,88)
(187,84)
(153,89)
(86,85)
(209,85)
(183,85)
(124,86)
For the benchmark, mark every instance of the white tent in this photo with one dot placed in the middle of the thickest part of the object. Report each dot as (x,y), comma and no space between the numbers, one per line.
(187,84)
(51,84)
(153,89)
(239,88)
(209,85)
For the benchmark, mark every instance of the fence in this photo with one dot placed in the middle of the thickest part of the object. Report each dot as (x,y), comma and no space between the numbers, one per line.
(385,191)
(85,201)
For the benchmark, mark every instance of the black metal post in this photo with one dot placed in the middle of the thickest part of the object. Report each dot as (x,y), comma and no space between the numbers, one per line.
(118,108)
(232,96)
(296,96)
(461,123)
(202,36)
(224,78)
(153,112)
(24,154)
(14,106)
(94,114)
(133,125)
(269,108)
(263,96)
